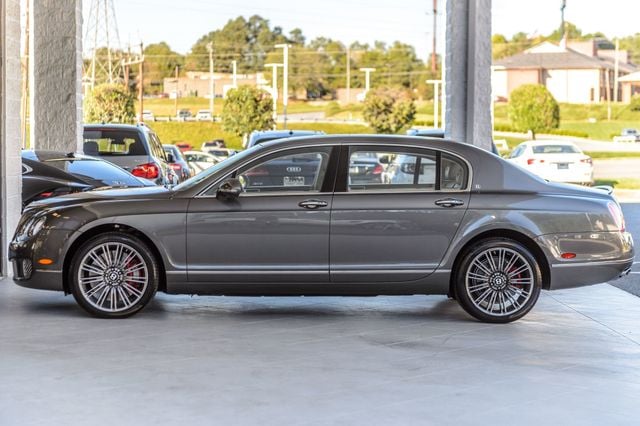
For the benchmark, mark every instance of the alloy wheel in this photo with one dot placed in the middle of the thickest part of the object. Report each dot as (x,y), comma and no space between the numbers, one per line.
(113,277)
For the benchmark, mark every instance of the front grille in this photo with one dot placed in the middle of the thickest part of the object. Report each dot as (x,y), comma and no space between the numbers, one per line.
(22,269)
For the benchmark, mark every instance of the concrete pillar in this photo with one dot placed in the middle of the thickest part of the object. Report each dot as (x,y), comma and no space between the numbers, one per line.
(467,72)
(10,163)
(56,74)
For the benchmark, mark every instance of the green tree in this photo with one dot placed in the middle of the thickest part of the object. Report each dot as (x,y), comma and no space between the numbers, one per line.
(388,111)
(247,109)
(109,103)
(159,62)
(533,108)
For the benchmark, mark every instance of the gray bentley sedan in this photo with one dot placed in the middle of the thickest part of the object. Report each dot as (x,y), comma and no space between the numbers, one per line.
(306,216)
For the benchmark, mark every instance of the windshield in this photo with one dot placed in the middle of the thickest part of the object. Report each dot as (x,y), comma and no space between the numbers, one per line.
(113,142)
(189,183)
(555,149)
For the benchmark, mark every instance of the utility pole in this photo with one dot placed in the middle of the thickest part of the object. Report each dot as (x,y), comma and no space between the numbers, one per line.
(141,87)
(235,73)
(434,62)
(176,97)
(140,61)
(348,75)
(285,82)
(212,93)
(367,81)
(274,90)
(616,66)
(562,24)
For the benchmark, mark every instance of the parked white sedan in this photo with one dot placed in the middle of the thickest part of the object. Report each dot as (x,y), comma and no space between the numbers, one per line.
(556,161)
(199,161)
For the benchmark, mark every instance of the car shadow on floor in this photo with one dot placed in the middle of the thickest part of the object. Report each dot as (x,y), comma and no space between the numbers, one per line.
(167,306)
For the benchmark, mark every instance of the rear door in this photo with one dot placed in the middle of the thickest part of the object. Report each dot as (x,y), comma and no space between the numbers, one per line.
(397,229)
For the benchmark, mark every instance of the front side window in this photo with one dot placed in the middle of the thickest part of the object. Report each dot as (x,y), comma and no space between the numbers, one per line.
(294,170)
(301,170)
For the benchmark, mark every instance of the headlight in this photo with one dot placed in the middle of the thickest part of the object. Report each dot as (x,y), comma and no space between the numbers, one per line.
(36,226)
(32,226)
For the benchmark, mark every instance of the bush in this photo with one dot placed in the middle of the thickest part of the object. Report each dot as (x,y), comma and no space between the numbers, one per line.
(247,109)
(109,103)
(331,109)
(388,111)
(634,105)
(533,108)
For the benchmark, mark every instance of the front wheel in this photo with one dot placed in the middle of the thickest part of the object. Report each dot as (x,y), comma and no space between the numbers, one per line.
(113,275)
(498,281)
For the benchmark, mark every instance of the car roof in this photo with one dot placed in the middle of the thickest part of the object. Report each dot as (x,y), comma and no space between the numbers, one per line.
(44,155)
(285,133)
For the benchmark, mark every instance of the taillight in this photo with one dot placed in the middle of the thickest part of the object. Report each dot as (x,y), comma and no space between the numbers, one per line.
(616,214)
(378,169)
(531,161)
(147,171)
(587,160)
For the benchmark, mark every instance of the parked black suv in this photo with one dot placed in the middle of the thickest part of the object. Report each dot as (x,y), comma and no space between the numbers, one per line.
(135,148)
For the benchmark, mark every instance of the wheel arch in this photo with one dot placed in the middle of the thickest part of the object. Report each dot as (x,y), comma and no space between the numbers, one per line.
(510,234)
(111,227)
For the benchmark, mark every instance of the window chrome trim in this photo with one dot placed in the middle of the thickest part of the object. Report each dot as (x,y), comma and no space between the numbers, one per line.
(348,144)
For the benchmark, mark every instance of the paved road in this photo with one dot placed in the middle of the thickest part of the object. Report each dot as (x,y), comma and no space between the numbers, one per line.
(616,168)
(631,282)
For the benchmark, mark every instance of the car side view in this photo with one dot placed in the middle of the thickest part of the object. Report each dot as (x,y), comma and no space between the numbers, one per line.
(294,217)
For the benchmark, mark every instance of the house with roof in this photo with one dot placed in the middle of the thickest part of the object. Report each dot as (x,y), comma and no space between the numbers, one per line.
(574,72)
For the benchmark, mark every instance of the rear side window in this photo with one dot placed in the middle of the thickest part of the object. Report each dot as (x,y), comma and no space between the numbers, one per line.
(113,143)
(404,168)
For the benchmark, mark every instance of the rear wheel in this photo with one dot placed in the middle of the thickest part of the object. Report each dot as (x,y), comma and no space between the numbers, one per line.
(498,281)
(113,275)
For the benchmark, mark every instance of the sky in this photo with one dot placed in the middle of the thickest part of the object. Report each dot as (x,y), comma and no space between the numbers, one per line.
(180,23)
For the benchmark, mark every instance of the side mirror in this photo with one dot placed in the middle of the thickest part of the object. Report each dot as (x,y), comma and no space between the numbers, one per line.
(170,158)
(229,190)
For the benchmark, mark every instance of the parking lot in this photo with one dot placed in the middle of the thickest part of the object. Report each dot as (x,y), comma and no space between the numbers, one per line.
(575,359)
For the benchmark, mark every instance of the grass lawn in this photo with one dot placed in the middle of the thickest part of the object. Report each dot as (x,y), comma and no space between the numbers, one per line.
(620,183)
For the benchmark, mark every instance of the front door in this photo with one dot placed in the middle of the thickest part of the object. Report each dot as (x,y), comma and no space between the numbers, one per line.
(394,218)
(277,230)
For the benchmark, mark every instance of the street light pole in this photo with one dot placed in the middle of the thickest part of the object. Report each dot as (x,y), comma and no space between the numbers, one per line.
(367,79)
(212,93)
(285,82)
(274,90)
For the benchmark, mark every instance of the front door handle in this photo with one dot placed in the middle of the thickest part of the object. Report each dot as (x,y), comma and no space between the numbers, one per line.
(312,204)
(449,202)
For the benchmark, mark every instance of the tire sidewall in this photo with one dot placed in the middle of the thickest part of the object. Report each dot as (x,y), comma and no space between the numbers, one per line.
(114,237)
(460,285)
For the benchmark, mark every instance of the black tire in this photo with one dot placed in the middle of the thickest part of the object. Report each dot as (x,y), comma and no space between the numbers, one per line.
(132,291)
(516,287)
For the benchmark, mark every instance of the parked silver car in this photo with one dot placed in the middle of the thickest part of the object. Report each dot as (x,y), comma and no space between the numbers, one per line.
(286,218)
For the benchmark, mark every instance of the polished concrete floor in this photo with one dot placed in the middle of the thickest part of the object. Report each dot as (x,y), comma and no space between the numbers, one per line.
(574,360)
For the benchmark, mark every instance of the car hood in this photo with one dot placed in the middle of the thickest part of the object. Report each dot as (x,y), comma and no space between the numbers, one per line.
(105,194)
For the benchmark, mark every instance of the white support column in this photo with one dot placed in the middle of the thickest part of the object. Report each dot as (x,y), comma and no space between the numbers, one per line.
(56,73)
(10,162)
(467,72)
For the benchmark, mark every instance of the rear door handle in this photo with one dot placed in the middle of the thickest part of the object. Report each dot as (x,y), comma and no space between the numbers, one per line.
(312,204)
(449,202)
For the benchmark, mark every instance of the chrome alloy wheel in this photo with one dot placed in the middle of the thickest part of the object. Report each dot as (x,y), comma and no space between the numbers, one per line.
(499,281)
(113,277)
